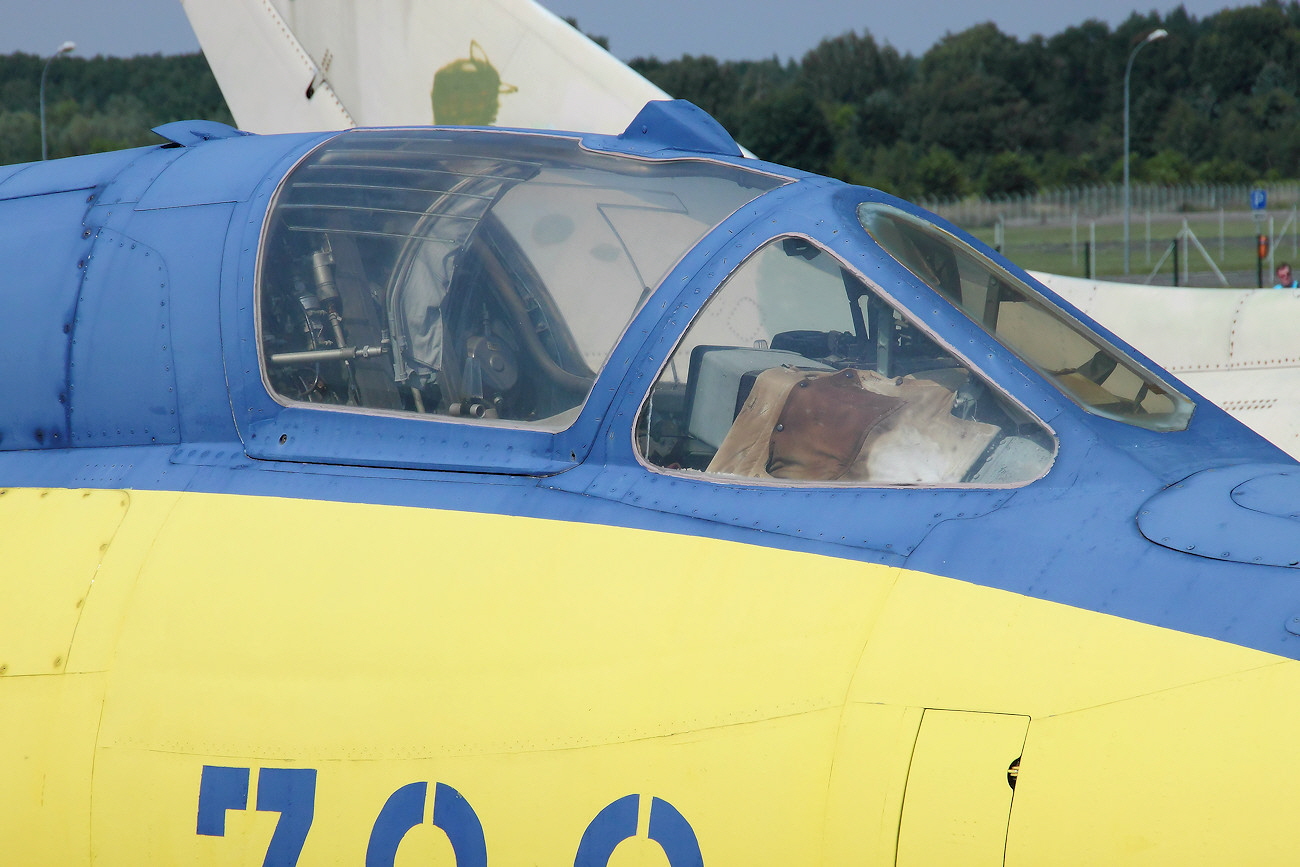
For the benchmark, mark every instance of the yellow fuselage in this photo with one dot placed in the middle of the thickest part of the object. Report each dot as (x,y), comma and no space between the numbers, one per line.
(792,708)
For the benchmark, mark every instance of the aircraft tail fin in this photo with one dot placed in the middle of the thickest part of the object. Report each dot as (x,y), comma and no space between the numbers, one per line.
(268,79)
(302,65)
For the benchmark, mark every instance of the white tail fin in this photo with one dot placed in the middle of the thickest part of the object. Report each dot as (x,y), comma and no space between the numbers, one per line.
(302,65)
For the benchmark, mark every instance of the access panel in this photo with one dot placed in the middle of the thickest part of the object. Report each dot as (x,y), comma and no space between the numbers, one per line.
(958,800)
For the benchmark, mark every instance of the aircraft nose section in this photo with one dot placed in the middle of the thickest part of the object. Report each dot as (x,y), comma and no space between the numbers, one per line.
(1245,514)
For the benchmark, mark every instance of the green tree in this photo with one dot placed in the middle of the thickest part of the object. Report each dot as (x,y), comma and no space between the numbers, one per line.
(787,127)
(1168,168)
(1241,41)
(713,86)
(1221,171)
(940,175)
(967,99)
(893,169)
(1186,127)
(850,69)
(20,137)
(1009,173)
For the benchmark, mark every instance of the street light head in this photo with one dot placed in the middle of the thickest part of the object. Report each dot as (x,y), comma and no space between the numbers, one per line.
(62,49)
(1153,36)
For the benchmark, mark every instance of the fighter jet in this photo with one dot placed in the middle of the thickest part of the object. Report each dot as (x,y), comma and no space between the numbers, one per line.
(294,65)
(514,497)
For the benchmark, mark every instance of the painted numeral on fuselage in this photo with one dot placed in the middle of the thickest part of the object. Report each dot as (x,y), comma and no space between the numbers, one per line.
(220,789)
(404,809)
(291,792)
(618,822)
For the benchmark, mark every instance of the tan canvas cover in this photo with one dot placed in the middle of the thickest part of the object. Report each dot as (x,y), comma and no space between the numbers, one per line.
(852,426)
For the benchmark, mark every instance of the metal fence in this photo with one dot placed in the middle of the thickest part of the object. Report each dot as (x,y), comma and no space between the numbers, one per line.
(1102,201)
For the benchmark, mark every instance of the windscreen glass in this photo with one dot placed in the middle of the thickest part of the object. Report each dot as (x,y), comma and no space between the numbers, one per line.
(1088,369)
(797,371)
(471,275)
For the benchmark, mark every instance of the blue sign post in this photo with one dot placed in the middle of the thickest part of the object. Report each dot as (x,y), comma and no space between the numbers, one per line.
(1258,202)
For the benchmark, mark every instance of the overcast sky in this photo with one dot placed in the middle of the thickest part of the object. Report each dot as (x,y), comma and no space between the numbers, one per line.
(727,29)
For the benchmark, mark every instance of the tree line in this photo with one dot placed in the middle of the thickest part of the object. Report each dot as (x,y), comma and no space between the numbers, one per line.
(984,112)
(979,112)
(101,103)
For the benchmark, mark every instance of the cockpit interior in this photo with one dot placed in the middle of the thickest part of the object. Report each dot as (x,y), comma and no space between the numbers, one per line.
(415,271)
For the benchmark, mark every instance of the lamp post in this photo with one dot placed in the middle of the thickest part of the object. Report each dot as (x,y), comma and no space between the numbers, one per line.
(62,49)
(1128,69)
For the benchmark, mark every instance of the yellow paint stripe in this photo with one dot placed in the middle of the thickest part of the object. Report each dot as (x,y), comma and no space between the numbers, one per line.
(942,643)
(546,668)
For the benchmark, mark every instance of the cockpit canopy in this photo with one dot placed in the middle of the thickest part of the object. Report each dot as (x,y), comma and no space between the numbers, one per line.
(1090,371)
(468,275)
(486,277)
